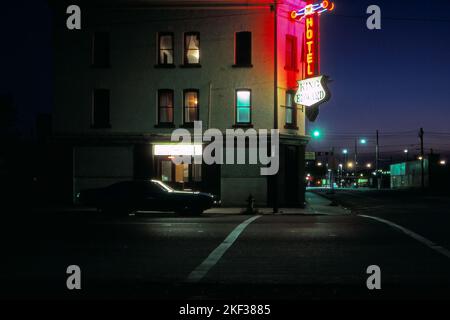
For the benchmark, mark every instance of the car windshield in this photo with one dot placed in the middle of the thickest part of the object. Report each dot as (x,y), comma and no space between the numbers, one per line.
(162,186)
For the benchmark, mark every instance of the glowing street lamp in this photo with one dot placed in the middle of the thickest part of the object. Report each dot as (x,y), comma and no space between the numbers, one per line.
(316,133)
(363,141)
(369,165)
(345,151)
(442,162)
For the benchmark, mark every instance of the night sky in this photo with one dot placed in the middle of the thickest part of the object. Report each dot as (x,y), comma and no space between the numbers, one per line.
(394,79)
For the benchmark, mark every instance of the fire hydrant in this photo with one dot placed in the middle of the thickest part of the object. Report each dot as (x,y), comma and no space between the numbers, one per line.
(250,204)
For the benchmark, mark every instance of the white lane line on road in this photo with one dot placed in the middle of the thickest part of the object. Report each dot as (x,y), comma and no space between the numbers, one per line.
(413,235)
(202,269)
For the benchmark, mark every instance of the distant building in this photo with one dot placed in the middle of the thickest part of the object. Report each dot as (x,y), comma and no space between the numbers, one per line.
(129,77)
(409,174)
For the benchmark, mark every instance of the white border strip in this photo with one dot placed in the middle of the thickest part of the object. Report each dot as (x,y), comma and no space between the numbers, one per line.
(198,273)
(413,235)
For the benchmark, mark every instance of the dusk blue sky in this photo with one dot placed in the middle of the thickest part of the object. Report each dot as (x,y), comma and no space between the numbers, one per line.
(394,79)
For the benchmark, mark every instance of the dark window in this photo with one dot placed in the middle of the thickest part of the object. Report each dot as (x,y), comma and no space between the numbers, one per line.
(191,105)
(100,50)
(243,106)
(291,110)
(191,48)
(243,47)
(165,106)
(100,108)
(165,48)
(291,52)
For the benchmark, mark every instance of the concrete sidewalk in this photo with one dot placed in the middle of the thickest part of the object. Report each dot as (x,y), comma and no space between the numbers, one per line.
(315,205)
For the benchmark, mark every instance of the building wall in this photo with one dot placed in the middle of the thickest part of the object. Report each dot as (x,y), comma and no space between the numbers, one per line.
(133,81)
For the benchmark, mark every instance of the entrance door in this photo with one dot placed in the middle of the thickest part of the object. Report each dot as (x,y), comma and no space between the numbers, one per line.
(291,175)
(182,176)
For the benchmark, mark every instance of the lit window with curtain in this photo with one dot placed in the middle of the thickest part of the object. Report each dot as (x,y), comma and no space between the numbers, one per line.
(165,106)
(165,49)
(243,106)
(191,106)
(192,48)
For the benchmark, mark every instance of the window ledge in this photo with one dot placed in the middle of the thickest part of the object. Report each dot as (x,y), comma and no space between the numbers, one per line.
(291,127)
(193,65)
(243,125)
(106,126)
(187,125)
(242,66)
(164,66)
(165,125)
(97,66)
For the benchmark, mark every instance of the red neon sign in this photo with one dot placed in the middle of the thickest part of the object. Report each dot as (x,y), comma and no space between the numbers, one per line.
(311,48)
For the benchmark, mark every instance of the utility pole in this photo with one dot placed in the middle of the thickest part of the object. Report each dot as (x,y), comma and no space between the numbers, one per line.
(422,159)
(275,96)
(377,157)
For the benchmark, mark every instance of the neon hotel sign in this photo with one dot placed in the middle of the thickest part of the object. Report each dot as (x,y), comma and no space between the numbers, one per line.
(310,13)
(312,90)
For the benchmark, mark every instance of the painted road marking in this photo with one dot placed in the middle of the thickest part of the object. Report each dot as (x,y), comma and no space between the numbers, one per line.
(413,235)
(202,269)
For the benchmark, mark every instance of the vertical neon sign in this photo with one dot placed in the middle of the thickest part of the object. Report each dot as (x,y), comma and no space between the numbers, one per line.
(312,45)
(310,14)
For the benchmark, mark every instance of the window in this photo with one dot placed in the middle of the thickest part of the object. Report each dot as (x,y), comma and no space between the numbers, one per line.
(165,106)
(165,49)
(166,170)
(243,49)
(243,106)
(291,110)
(291,52)
(100,50)
(100,109)
(192,48)
(191,106)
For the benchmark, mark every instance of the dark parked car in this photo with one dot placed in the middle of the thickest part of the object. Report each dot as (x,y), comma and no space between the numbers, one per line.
(151,195)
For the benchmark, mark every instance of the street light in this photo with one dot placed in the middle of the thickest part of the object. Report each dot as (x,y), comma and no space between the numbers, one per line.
(363,141)
(369,165)
(442,162)
(345,151)
(350,165)
(406,151)
(316,133)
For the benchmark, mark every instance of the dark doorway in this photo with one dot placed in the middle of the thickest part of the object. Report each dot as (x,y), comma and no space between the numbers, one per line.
(291,176)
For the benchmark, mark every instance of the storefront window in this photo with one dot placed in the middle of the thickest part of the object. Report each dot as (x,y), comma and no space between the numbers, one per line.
(166,170)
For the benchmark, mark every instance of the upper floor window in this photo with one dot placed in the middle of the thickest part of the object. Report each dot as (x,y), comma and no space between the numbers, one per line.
(192,48)
(100,108)
(243,49)
(291,110)
(165,49)
(291,52)
(100,50)
(191,106)
(165,106)
(243,106)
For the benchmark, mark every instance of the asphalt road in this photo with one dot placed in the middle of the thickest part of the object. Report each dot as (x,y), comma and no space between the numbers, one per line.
(166,256)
